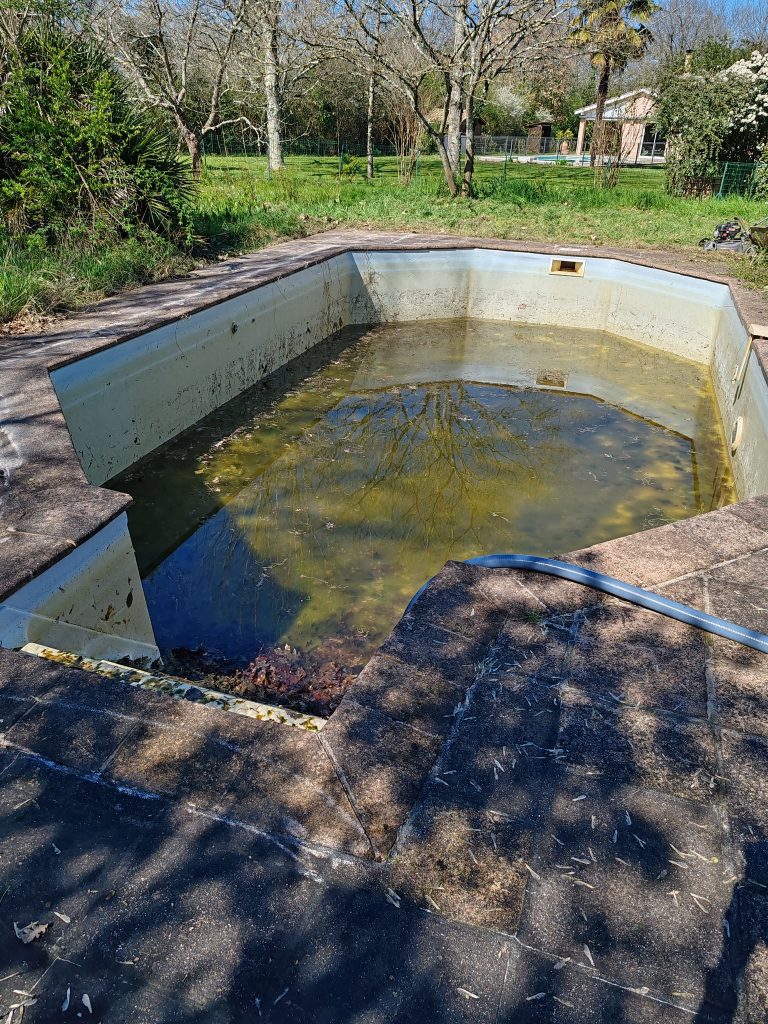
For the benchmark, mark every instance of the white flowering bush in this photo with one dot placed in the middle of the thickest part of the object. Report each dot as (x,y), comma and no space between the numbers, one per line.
(713,117)
(748,80)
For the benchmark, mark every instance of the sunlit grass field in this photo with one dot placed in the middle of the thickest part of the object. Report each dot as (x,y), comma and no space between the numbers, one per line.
(533,201)
(240,207)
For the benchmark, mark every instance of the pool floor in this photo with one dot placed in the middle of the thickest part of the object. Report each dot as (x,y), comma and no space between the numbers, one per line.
(308,511)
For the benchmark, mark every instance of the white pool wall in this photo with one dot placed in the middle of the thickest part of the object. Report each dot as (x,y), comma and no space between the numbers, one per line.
(91,602)
(123,402)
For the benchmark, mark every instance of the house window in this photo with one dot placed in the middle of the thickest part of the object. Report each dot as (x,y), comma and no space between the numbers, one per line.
(654,143)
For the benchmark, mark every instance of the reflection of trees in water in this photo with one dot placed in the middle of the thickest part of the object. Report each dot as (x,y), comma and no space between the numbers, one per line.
(419,462)
(435,452)
(391,484)
(344,522)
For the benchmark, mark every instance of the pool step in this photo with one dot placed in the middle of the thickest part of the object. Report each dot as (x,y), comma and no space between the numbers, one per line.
(181,689)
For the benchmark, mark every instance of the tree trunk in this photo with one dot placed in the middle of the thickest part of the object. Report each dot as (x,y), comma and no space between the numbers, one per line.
(439,141)
(272,95)
(195,155)
(597,147)
(369,126)
(469,161)
(453,120)
(453,126)
(450,180)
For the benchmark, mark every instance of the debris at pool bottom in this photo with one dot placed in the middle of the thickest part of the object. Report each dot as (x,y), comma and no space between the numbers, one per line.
(305,682)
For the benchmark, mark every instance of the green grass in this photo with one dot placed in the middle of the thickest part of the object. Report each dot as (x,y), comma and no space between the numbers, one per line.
(37,280)
(240,208)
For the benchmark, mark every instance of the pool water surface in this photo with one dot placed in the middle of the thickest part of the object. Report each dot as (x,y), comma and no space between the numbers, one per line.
(307,511)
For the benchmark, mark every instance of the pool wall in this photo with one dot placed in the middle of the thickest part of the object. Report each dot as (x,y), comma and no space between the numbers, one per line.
(123,402)
(91,601)
(122,398)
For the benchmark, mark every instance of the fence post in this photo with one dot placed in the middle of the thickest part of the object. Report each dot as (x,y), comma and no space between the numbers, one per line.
(341,158)
(722,181)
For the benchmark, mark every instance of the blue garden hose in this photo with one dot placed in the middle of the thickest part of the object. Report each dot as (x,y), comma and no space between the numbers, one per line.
(609,585)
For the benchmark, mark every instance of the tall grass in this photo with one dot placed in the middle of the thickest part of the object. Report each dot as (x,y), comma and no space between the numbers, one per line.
(38,279)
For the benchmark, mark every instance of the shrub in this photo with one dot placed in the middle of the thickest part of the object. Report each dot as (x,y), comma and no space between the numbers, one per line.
(74,148)
(711,117)
(760,177)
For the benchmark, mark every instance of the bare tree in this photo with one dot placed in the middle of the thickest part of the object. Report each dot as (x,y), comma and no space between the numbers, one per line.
(404,131)
(276,67)
(465,45)
(682,25)
(455,89)
(179,55)
(749,24)
(501,35)
(375,43)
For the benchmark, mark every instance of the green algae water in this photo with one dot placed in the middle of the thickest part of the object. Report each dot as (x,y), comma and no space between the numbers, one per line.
(310,509)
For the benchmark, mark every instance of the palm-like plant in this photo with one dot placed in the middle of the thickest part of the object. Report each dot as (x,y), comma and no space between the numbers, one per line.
(613,32)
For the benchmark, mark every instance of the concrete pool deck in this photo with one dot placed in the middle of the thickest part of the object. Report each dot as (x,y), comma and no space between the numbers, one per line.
(535,804)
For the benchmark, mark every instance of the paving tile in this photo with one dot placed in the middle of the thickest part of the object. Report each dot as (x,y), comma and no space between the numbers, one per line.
(459,600)
(209,922)
(666,552)
(292,788)
(65,844)
(67,512)
(429,648)
(745,765)
(26,676)
(363,960)
(617,868)
(24,556)
(642,658)
(753,511)
(171,761)
(466,863)
(12,709)
(535,647)
(546,595)
(422,699)
(542,990)
(502,744)
(750,957)
(741,686)
(673,755)
(744,604)
(154,928)
(751,570)
(383,765)
(689,590)
(79,739)
(278,780)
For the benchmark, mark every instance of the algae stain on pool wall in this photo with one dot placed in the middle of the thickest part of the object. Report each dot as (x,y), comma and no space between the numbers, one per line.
(310,509)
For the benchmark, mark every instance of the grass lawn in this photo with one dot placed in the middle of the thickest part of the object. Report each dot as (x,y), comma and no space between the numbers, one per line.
(239,208)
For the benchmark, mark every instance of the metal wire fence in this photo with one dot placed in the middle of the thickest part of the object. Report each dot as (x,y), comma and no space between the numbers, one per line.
(219,144)
(731,178)
(735,179)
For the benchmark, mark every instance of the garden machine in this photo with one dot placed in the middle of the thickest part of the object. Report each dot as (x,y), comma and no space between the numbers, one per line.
(738,236)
